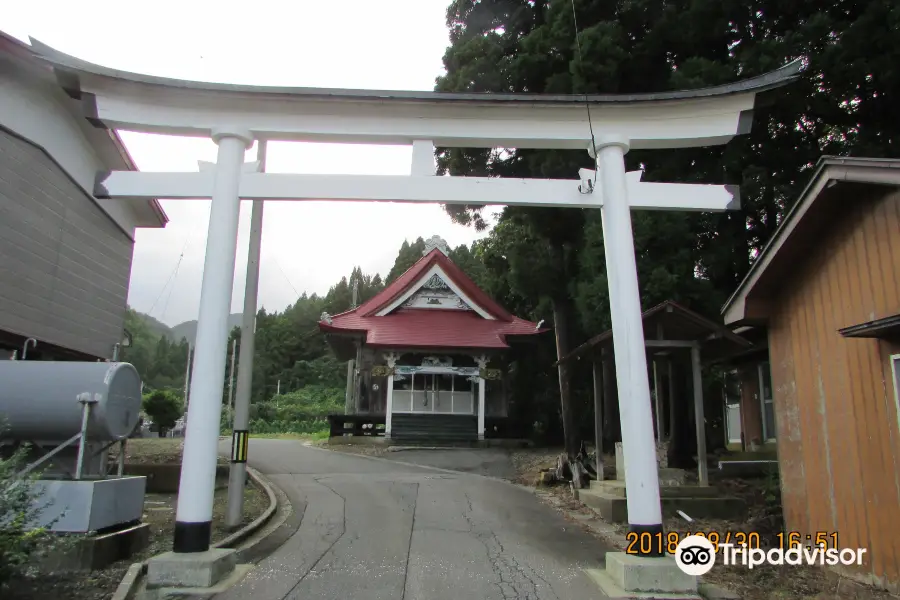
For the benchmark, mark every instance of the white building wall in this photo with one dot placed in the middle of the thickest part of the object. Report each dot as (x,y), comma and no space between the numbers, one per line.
(41,113)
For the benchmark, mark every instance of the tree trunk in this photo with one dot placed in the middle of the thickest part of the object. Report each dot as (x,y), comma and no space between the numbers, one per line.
(561,313)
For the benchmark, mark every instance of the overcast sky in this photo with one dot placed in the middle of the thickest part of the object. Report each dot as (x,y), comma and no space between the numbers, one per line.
(392,44)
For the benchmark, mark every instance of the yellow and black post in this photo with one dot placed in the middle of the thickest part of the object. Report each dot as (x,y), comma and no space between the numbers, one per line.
(240,442)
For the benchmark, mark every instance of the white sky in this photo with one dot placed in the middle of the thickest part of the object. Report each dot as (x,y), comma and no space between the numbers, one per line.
(391,44)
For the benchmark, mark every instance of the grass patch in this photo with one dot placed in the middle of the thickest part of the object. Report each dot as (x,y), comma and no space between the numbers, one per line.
(156,451)
(315,436)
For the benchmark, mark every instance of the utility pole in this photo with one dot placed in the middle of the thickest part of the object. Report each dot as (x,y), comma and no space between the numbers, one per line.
(231,382)
(278,388)
(349,404)
(187,381)
(240,431)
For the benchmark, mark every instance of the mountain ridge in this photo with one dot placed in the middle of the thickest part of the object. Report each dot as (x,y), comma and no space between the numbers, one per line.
(186,330)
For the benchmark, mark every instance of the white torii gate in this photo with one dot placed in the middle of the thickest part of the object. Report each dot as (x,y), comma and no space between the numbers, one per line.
(235,115)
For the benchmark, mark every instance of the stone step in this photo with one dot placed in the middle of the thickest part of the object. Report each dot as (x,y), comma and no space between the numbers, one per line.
(613,508)
(617,488)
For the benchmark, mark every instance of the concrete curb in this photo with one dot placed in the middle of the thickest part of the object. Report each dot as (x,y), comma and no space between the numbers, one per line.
(128,585)
(242,534)
(413,448)
(137,571)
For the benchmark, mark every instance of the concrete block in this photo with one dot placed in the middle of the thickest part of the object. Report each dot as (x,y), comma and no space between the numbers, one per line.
(617,488)
(710,591)
(611,508)
(98,551)
(712,508)
(620,462)
(662,454)
(642,574)
(187,570)
(671,477)
(89,505)
(610,590)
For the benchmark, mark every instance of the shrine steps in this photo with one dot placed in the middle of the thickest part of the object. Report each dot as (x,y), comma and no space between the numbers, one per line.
(433,429)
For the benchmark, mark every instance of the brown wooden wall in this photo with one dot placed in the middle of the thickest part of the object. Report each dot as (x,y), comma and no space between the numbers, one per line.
(836,415)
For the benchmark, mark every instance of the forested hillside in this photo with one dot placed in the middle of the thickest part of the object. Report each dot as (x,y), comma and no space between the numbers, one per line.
(291,353)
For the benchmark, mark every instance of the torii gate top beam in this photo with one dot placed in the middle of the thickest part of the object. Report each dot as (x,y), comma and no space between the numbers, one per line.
(122,100)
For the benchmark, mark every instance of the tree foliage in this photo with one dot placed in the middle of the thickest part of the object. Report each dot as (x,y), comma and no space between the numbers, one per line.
(538,259)
(20,543)
(163,408)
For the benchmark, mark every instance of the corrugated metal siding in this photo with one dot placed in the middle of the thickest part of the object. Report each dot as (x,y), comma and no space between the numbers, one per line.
(64,264)
(837,422)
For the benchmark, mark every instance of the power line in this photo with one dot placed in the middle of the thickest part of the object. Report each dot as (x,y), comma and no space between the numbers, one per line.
(173,274)
(283,274)
(587,104)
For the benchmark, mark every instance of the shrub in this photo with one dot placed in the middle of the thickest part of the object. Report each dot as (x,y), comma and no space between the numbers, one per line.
(19,544)
(163,408)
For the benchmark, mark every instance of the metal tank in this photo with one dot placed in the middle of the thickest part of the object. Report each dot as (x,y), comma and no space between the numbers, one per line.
(39,400)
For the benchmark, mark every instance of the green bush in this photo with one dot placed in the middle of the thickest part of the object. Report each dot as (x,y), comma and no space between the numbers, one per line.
(19,545)
(164,408)
(303,411)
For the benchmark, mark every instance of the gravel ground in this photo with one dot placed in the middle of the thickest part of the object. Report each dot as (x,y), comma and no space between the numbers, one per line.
(157,451)
(363,449)
(761,583)
(159,512)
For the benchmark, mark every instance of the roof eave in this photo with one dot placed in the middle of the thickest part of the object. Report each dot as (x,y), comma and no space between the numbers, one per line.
(759,84)
(154,203)
(828,169)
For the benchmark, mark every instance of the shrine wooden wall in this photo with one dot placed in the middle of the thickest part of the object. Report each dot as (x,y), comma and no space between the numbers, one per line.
(835,402)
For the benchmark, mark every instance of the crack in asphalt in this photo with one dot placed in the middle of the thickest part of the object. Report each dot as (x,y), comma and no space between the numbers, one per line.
(343,526)
(515,581)
(412,528)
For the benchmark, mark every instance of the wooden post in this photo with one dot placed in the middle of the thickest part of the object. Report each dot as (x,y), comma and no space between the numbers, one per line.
(698,416)
(610,396)
(598,415)
(657,403)
(672,398)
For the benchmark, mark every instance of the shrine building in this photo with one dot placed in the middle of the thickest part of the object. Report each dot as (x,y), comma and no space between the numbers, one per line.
(431,351)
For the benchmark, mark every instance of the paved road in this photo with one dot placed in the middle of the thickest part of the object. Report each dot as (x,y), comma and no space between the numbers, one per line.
(493,462)
(379,529)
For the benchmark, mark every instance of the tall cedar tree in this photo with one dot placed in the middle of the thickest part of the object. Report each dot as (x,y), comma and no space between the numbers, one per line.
(842,105)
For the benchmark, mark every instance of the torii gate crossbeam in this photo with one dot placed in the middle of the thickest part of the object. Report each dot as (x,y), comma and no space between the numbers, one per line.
(234,116)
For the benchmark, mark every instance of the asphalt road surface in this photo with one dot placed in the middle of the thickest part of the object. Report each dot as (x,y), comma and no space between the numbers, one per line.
(381,529)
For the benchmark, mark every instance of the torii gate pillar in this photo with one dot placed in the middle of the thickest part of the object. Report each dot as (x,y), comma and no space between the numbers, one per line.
(638,444)
(193,517)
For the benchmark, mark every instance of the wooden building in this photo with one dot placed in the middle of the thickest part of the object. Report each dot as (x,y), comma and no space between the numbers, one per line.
(677,341)
(65,254)
(430,351)
(826,290)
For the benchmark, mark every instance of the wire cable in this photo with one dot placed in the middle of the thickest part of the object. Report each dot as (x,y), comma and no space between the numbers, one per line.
(173,274)
(587,104)
(283,274)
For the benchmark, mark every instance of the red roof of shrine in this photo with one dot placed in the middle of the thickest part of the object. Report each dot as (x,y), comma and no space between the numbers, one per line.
(431,327)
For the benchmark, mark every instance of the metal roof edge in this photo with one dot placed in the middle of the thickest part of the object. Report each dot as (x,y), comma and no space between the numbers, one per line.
(758,84)
(820,175)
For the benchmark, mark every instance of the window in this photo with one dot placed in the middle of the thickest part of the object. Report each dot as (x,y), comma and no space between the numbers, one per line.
(766,401)
(439,393)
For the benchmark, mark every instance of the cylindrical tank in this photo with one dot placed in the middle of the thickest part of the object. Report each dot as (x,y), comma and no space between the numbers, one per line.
(39,399)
